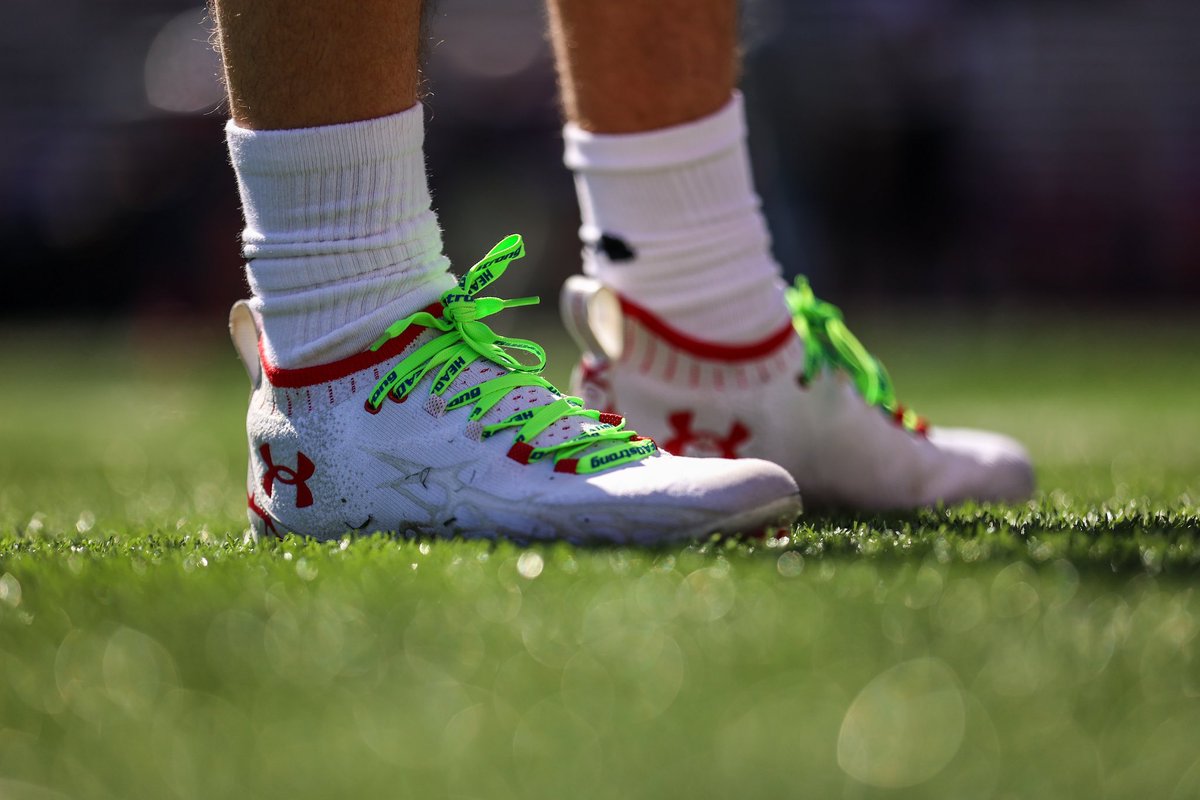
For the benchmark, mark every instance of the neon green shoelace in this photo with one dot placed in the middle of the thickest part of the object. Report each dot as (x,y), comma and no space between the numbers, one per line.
(465,339)
(828,342)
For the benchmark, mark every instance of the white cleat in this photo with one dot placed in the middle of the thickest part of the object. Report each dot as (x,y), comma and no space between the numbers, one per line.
(438,430)
(825,412)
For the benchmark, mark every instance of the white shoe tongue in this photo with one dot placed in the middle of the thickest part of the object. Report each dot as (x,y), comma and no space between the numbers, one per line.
(521,399)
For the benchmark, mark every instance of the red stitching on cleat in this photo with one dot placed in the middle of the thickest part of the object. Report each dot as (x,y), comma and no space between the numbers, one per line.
(567,465)
(648,358)
(611,419)
(630,335)
(922,426)
(672,358)
(520,452)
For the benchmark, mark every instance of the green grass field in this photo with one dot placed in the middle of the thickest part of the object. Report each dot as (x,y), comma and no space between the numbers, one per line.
(1045,650)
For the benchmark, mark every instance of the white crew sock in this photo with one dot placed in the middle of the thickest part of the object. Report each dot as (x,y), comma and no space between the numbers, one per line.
(340,238)
(671,221)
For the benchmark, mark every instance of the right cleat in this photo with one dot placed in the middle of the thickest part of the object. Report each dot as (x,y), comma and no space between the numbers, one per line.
(809,397)
(439,430)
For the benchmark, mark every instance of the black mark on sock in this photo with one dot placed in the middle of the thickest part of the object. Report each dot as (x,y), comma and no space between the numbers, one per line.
(614,248)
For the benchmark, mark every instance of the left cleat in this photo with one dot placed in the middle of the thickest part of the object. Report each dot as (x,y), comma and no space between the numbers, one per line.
(440,430)
(808,397)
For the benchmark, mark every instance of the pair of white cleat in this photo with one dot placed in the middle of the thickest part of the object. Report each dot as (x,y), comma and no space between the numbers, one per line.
(435,432)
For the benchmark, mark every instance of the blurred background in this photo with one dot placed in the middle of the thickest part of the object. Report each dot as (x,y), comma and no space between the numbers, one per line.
(949,151)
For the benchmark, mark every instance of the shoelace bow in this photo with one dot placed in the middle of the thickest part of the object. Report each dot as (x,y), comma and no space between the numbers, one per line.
(829,342)
(465,339)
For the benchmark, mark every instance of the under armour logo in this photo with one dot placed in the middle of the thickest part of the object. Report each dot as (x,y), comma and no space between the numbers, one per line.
(286,475)
(268,523)
(614,248)
(686,441)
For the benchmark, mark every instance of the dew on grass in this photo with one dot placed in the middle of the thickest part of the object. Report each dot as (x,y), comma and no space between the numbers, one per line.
(1015,669)
(897,623)
(658,668)
(306,570)
(10,590)
(961,606)
(656,594)
(1013,593)
(78,676)
(1060,584)
(462,730)
(125,464)
(789,564)
(135,667)
(925,589)
(158,497)
(194,561)
(707,594)
(904,727)
(530,565)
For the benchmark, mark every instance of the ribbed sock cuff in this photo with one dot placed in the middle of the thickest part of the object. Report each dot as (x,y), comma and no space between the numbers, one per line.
(340,236)
(671,220)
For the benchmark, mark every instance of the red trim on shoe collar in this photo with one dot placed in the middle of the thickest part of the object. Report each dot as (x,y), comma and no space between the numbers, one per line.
(712,351)
(336,370)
